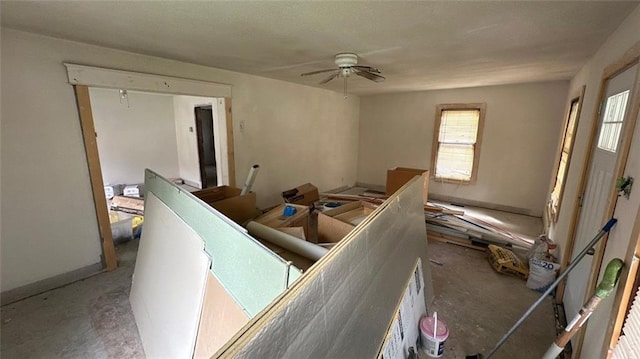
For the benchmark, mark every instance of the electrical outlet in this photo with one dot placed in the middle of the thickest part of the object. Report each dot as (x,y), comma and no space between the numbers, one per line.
(190,129)
(242,126)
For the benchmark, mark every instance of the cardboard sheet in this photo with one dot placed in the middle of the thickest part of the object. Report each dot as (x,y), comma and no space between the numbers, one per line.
(168,283)
(221,318)
(344,305)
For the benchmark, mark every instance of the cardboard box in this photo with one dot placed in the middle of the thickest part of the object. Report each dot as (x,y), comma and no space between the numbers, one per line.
(305,194)
(112,190)
(335,224)
(134,190)
(399,176)
(275,218)
(229,202)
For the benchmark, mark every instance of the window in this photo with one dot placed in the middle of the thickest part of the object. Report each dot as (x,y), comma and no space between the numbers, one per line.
(612,121)
(562,166)
(458,130)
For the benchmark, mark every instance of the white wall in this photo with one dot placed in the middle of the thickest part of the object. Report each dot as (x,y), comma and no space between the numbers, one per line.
(296,133)
(590,75)
(133,135)
(517,150)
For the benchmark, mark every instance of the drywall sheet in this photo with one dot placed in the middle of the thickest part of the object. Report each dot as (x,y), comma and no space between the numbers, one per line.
(404,331)
(221,319)
(168,283)
(252,274)
(343,306)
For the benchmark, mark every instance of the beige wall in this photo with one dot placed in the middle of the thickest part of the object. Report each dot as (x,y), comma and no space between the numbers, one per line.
(590,75)
(123,128)
(296,133)
(517,150)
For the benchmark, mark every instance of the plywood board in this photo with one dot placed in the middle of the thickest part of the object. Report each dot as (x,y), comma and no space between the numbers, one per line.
(221,318)
(345,303)
(168,283)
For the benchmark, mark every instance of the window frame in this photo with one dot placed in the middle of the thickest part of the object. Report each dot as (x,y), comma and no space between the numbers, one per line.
(481,107)
(553,210)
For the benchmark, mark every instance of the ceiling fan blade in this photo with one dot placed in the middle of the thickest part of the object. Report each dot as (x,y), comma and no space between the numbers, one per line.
(316,72)
(366,68)
(333,76)
(370,76)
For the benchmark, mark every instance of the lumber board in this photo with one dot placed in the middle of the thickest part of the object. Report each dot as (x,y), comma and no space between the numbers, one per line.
(95,175)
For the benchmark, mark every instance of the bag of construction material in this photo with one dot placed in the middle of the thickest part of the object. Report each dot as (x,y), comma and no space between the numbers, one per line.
(541,274)
(505,261)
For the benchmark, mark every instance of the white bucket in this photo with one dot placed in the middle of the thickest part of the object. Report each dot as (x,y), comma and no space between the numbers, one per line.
(433,345)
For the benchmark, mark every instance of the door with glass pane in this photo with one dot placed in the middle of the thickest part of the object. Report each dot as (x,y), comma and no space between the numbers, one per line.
(599,182)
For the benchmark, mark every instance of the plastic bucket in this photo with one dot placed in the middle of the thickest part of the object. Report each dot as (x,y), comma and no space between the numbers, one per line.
(433,345)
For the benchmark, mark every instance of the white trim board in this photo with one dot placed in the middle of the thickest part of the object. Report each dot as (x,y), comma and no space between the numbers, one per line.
(110,78)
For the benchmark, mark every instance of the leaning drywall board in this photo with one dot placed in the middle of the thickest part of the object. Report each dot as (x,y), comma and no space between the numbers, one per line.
(343,306)
(249,271)
(184,240)
(168,283)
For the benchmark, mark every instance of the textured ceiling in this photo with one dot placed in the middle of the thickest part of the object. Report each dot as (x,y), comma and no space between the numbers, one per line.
(417,45)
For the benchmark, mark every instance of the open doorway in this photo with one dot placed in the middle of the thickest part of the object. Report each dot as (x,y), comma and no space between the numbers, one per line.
(206,146)
(84,77)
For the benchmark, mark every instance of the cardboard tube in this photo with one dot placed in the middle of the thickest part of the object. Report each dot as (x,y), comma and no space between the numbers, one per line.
(248,183)
(286,241)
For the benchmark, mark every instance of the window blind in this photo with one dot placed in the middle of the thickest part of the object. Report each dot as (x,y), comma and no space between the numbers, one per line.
(628,346)
(457,137)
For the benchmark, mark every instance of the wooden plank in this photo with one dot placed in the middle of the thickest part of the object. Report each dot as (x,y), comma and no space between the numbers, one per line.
(431,235)
(95,175)
(230,142)
(220,320)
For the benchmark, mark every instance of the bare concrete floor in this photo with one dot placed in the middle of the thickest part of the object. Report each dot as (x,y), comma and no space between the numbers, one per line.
(87,319)
(92,318)
(479,305)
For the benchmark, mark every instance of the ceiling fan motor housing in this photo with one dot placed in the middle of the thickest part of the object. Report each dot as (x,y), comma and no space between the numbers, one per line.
(346,60)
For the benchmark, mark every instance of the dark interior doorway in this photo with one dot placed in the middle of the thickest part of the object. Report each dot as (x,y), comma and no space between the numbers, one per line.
(206,146)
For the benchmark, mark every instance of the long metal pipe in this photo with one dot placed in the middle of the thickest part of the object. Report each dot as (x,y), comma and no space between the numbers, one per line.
(607,227)
(286,241)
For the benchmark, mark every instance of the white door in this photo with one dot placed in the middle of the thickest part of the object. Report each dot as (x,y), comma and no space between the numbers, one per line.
(599,183)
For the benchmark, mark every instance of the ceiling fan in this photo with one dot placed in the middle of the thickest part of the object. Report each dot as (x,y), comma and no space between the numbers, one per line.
(347,66)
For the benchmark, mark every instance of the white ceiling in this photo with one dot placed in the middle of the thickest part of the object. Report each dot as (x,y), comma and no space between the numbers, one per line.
(417,45)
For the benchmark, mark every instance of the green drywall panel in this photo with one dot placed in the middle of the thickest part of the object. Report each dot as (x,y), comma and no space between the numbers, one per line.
(250,272)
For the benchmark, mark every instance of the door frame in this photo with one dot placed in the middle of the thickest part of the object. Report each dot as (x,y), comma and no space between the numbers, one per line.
(82,77)
(628,277)
(629,59)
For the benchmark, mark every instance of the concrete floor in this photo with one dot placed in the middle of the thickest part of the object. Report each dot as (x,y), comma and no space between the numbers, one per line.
(87,319)
(479,305)
(92,318)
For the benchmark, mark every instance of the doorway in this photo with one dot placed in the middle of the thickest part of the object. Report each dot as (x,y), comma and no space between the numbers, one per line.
(206,146)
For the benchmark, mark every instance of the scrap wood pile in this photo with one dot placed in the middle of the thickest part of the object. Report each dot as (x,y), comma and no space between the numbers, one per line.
(470,231)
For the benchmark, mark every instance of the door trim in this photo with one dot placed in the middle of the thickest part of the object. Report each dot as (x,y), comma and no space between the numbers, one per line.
(629,59)
(95,175)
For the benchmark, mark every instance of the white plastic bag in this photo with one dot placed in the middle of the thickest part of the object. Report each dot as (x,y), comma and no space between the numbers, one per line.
(541,274)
